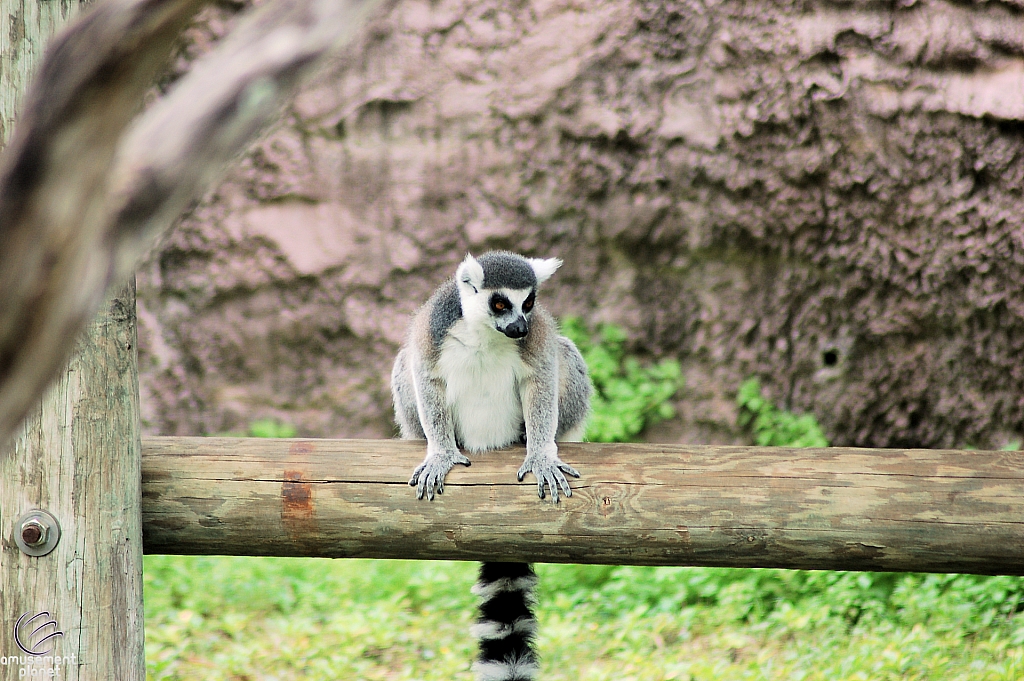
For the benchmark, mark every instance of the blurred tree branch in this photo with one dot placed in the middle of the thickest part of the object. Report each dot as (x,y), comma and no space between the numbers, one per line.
(88,185)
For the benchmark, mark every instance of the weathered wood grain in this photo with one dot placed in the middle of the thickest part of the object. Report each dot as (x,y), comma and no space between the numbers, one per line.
(836,508)
(28,25)
(77,456)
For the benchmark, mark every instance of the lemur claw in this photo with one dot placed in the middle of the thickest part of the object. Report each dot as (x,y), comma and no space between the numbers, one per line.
(550,473)
(428,477)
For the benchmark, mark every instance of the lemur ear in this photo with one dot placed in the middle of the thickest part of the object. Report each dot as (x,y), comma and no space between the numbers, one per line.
(470,273)
(544,268)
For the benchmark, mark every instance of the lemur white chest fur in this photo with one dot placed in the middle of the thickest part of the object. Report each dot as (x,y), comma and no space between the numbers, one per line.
(482,370)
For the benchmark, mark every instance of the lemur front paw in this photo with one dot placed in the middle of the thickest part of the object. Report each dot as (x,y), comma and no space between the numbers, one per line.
(550,472)
(429,475)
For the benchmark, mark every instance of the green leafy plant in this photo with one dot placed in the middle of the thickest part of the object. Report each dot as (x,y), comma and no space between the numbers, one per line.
(271,428)
(263,428)
(774,427)
(628,396)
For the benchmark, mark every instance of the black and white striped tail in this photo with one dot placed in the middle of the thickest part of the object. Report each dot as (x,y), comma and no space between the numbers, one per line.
(506,626)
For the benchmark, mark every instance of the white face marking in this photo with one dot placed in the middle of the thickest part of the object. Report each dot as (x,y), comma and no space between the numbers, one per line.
(480,307)
(515,296)
(512,319)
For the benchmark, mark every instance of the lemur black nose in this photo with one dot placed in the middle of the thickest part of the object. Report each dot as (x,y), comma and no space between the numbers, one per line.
(516,329)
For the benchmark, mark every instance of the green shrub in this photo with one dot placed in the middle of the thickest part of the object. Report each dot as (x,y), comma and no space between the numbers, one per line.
(774,427)
(271,428)
(263,428)
(961,604)
(628,396)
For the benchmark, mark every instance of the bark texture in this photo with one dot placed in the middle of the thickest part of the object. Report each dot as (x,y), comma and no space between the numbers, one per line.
(826,195)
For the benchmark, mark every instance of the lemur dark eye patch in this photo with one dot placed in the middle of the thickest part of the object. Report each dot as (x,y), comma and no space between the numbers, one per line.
(528,303)
(500,303)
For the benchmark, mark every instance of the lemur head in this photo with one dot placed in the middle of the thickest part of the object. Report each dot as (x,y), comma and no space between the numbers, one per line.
(499,288)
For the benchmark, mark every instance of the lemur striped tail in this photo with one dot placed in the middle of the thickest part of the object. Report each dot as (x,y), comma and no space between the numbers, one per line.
(506,626)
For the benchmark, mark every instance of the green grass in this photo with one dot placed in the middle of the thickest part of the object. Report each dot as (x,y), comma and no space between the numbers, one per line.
(269,618)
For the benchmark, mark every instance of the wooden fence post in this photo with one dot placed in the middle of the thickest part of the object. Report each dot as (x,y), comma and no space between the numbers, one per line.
(77,458)
(25,29)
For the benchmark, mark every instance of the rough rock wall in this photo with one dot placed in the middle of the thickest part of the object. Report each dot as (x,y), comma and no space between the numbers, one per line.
(827,195)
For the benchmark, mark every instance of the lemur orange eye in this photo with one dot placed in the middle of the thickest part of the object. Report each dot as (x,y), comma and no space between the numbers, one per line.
(500,305)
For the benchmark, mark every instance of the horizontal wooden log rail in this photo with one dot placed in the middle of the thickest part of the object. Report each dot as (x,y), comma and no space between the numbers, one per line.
(636,504)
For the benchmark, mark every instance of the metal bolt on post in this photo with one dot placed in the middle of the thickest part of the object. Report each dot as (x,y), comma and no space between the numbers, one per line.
(36,533)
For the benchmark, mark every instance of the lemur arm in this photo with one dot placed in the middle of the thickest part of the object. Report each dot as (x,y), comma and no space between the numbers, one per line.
(439,428)
(539,395)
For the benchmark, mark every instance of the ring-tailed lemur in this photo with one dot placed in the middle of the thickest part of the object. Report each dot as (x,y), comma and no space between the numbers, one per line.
(483,368)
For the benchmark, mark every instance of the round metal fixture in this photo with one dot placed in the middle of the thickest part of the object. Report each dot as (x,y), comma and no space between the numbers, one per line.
(36,533)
